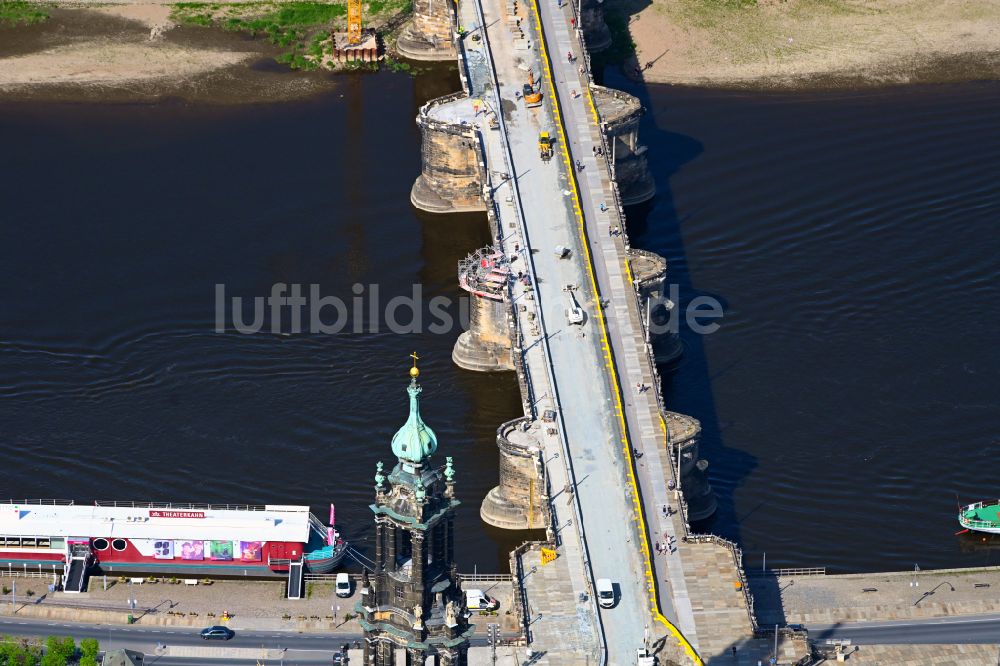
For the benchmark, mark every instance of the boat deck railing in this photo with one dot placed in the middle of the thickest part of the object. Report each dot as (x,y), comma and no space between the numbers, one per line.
(179,505)
(976,523)
(980,505)
(979,524)
(48,502)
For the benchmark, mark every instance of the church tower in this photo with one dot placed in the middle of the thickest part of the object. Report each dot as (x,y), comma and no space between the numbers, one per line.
(413,601)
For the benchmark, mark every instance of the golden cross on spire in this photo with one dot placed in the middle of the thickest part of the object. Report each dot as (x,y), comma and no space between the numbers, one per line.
(414,371)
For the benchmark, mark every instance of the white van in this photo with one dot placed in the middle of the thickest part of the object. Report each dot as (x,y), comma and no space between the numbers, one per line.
(477,600)
(605,593)
(343,585)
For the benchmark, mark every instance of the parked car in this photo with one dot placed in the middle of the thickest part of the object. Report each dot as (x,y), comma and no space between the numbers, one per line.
(343,585)
(217,632)
(478,600)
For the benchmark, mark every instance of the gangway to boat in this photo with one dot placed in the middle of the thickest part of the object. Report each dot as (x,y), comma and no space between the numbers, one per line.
(361,559)
(295,584)
(75,573)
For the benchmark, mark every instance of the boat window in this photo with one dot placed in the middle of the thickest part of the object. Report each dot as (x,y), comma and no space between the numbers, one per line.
(57,542)
(28,542)
(119,544)
(43,542)
(14,542)
(100,544)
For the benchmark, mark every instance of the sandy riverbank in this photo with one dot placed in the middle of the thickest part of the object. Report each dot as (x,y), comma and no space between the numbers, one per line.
(794,43)
(121,50)
(135,52)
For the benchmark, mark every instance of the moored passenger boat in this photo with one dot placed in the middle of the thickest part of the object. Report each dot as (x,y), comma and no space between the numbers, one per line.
(981,517)
(198,540)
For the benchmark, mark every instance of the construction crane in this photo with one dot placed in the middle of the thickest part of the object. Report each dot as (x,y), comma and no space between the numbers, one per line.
(353,22)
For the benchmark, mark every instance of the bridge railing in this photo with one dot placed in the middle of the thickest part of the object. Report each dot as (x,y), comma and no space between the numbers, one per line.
(674,463)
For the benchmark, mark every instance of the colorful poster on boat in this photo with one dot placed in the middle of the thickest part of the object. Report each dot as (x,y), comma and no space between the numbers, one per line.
(163,549)
(221,550)
(250,551)
(190,550)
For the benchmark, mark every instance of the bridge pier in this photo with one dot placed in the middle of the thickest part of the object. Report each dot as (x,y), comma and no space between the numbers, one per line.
(595,30)
(620,114)
(428,35)
(486,346)
(520,501)
(449,180)
(683,438)
(649,275)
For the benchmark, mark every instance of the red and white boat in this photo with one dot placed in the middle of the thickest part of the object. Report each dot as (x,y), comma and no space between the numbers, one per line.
(194,540)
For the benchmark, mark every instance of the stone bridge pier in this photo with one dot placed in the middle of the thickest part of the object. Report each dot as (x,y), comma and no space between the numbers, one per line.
(595,29)
(649,276)
(683,438)
(450,178)
(486,346)
(620,114)
(428,35)
(521,500)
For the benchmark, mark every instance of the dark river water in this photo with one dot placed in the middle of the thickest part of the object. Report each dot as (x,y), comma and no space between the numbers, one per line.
(850,393)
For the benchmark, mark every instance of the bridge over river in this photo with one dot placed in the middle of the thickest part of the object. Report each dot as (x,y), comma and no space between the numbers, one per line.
(597,458)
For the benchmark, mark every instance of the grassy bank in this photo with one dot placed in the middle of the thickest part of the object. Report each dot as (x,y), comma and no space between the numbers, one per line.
(299,27)
(21,13)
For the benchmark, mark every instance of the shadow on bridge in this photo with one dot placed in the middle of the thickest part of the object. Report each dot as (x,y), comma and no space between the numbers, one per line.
(659,226)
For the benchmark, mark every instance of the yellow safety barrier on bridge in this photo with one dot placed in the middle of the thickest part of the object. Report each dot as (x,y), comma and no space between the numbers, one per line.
(605,345)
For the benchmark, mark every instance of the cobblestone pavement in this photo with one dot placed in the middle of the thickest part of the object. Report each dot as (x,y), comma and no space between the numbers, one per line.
(560,627)
(252,604)
(256,605)
(923,655)
(890,596)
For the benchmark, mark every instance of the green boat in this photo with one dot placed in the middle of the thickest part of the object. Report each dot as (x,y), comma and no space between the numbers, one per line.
(981,517)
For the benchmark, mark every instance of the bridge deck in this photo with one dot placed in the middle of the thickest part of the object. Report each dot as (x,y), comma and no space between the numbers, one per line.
(585,373)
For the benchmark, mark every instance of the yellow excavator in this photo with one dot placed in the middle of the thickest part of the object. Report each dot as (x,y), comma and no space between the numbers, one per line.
(532,95)
(545,146)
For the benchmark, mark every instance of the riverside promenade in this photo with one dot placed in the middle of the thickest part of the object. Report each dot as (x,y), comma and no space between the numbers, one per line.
(579,382)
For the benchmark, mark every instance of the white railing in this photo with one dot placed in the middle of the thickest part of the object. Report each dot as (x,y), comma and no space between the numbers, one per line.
(45,502)
(179,505)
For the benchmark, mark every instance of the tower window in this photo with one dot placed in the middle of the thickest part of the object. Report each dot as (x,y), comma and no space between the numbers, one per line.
(400,594)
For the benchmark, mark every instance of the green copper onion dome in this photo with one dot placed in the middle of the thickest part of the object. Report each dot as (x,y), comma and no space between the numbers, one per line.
(415,441)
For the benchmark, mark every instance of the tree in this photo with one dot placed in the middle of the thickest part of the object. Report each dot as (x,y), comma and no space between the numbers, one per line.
(58,650)
(15,652)
(89,647)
